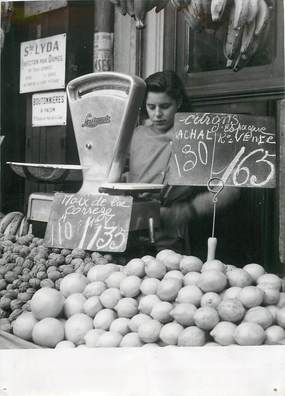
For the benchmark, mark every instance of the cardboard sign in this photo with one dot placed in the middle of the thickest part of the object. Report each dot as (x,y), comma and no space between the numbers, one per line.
(49,109)
(240,150)
(42,64)
(97,222)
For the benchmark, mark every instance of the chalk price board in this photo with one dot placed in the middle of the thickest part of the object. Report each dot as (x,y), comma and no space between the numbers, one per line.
(96,222)
(238,149)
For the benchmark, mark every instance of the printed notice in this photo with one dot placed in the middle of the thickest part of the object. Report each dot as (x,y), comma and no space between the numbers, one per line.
(96,222)
(49,109)
(42,65)
(239,150)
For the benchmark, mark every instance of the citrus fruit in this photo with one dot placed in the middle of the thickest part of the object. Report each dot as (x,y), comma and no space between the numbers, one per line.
(213,265)
(48,332)
(92,305)
(212,281)
(184,313)
(168,289)
(104,318)
(269,281)
(280,317)
(190,264)
(130,286)
(274,334)
(127,307)
(223,333)
(115,279)
(232,292)
(169,333)
(211,299)
(161,311)
(149,330)
(77,326)
(239,277)
(109,339)
(94,289)
(100,272)
(189,294)
(137,320)
(147,302)
(46,302)
(231,310)
(259,315)
(149,286)
(251,296)
(273,309)
(176,274)
(247,333)
(110,297)
(191,278)
(155,268)
(281,302)
(192,336)
(73,304)
(120,325)
(206,318)
(271,296)
(23,325)
(91,337)
(131,340)
(135,267)
(147,258)
(64,344)
(171,260)
(73,283)
(254,270)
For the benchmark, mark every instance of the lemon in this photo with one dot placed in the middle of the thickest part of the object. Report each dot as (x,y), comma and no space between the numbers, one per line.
(169,333)
(149,330)
(100,272)
(232,292)
(130,286)
(162,255)
(73,304)
(168,289)
(273,309)
(110,297)
(155,268)
(231,310)
(104,318)
(64,344)
(109,339)
(73,283)
(161,311)
(23,325)
(147,258)
(120,325)
(259,315)
(149,286)
(239,277)
(281,302)
(270,281)
(94,289)
(135,267)
(127,307)
(91,306)
(174,274)
(190,294)
(115,279)
(254,270)
(223,333)
(206,318)
(92,336)
(251,296)
(191,278)
(48,332)
(184,313)
(213,265)
(131,340)
(137,320)
(171,261)
(280,317)
(210,299)
(192,336)
(274,334)
(76,327)
(212,281)
(147,302)
(47,302)
(247,333)
(190,264)
(271,295)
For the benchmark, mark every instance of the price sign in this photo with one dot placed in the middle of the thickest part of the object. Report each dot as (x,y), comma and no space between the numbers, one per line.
(238,149)
(96,222)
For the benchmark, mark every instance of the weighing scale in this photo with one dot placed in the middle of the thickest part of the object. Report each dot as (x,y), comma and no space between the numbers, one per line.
(104,109)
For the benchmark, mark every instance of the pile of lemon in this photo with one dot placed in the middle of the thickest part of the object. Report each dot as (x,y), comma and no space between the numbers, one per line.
(170,299)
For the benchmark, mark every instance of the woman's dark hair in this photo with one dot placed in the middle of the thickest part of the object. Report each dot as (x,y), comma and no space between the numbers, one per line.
(166,81)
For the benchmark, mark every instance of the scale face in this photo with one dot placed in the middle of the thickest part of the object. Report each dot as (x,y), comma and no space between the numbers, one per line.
(104,109)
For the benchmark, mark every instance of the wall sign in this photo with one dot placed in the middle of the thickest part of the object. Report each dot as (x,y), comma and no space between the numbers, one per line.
(103,51)
(238,149)
(42,65)
(49,109)
(98,222)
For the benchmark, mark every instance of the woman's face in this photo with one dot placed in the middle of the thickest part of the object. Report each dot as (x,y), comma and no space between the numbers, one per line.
(161,109)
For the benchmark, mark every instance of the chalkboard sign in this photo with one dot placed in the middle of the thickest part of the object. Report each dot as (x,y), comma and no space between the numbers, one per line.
(238,149)
(97,222)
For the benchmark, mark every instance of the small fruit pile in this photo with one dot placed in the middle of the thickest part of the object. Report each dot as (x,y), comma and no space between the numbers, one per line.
(26,265)
(169,299)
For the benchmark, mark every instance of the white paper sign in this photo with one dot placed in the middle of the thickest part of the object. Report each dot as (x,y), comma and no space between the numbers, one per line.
(49,109)
(42,64)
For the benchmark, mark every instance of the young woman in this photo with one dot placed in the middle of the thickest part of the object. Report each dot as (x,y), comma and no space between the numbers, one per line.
(150,153)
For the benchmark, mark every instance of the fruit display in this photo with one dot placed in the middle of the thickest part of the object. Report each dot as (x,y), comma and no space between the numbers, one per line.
(164,300)
(14,223)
